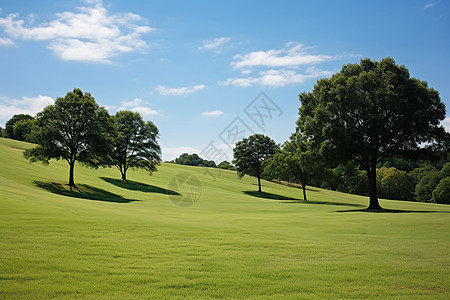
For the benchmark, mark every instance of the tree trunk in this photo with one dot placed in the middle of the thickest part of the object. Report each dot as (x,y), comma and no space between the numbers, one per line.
(304,191)
(71,168)
(259,183)
(372,177)
(124,175)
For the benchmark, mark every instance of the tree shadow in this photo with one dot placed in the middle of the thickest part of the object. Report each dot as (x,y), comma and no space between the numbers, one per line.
(82,191)
(139,186)
(391,211)
(326,203)
(268,195)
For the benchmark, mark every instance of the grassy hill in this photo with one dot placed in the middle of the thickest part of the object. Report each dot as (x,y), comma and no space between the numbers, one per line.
(129,240)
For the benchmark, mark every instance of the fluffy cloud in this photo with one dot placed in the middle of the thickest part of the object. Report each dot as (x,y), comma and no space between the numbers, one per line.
(6,42)
(277,68)
(276,78)
(294,55)
(165,91)
(213,113)
(26,105)
(215,44)
(92,34)
(137,105)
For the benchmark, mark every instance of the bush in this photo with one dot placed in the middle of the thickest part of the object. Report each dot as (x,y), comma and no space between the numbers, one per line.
(441,193)
(425,187)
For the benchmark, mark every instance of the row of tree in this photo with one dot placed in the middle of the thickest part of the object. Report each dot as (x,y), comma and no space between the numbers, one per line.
(362,115)
(75,128)
(195,160)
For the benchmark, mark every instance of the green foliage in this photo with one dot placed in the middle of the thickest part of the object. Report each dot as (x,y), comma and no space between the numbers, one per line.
(441,193)
(395,184)
(9,126)
(26,130)
(249,153)
(297,162)
(75,128)
(226,165)
(371,111)
(194,160)
(426,185)
(134,143)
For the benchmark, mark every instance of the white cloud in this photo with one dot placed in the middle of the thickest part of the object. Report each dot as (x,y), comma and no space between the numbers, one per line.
(279,67)
(92,34)
(277,78)
(26,105)
(215,44)
(446,124)
(6,42)
(431,4)
(165,91)
(144,111)
(170,153)
(137,105)
(213,113)
(293,55)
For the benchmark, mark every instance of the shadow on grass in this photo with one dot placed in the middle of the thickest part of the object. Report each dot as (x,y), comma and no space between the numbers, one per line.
(292,200)
(268,195)
(139,186)
(326,203)
(391,211)
(83,191)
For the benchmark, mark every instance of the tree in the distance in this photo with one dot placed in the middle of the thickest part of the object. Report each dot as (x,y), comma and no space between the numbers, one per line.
(371,111)
(75,128)
(249,154)
(135,144)
(9,126)
(296,162)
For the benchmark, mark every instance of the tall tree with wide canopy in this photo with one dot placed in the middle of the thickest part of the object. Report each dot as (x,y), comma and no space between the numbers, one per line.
(135,145)
(75,128)
(249,153)
(370,111)
(295,162)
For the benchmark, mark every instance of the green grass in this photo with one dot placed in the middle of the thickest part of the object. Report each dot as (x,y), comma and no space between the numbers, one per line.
(110,239)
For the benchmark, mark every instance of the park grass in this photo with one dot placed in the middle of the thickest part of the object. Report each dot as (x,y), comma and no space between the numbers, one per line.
(110,239)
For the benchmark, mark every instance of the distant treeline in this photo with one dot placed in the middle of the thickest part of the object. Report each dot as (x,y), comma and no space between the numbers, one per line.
(195,160)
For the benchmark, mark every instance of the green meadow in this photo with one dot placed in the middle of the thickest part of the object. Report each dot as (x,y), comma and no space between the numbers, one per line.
(111,239)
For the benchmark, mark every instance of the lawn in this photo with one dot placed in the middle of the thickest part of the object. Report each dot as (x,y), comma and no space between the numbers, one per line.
(191,232)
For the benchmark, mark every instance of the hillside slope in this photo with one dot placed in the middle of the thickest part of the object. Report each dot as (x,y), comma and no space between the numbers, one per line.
(142,239)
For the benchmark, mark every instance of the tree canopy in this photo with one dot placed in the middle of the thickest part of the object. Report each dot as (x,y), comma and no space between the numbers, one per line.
(9,126)
(75,128)
(135,143)
(370,111)
(249,153)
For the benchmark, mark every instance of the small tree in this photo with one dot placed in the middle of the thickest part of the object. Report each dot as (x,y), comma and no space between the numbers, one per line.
(250,153)
(26,130)
(75,128)
(9,126)
(441,193)
(296,162)
(135,145)
(371,111)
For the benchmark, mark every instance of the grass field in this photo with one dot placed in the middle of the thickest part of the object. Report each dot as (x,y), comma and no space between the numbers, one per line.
(126,241)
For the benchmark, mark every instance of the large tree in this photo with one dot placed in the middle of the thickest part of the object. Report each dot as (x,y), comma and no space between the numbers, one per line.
(135,145)
(370,111)
(75,128)
(249,153)
(295,162)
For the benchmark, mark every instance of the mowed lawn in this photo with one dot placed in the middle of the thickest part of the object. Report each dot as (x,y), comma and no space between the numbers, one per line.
(126,241)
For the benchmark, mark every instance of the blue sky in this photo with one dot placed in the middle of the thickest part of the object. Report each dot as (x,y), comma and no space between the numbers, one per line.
(209,72)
